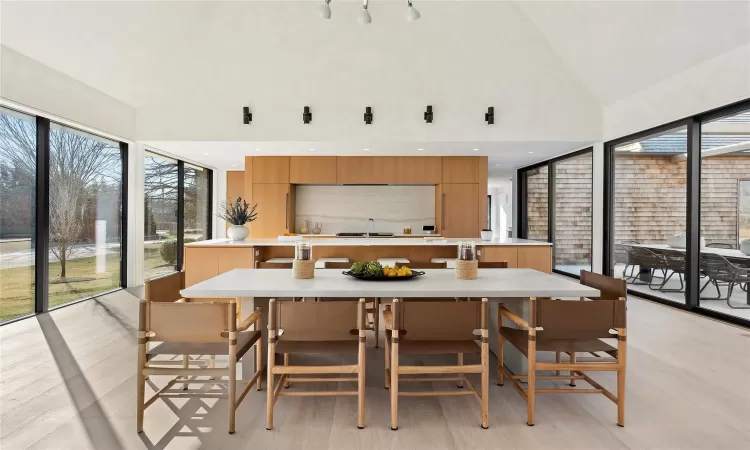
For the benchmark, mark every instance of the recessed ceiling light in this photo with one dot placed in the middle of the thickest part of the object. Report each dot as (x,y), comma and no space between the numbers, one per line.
(367,149)
(257,149)
(312,149)
(235,165)
(530,153)
(498,165)
(206,154)
(420,149)
(475,150)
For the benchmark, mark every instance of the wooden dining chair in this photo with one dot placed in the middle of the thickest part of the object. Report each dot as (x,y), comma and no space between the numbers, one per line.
(372,303)
(194,329)
(437,328)
(315,328)
(568,327)
(273,265)
(492,264)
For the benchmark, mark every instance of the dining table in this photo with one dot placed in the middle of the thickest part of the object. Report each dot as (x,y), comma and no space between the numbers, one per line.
(512,287)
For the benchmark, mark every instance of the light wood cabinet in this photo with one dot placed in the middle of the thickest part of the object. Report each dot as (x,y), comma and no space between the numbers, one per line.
(235,258)
(459,210)
(482,175)
(418,170)
(312,170)
(500,254)
(270,169)
(235,188)
(201,263)
(460,169)
(274,204)
(537,257)
(366,169)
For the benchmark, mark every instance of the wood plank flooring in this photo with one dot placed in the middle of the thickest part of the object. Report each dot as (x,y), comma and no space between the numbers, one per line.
(67,382)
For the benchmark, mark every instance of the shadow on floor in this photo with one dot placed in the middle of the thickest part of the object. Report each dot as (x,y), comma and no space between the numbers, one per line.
(92,416)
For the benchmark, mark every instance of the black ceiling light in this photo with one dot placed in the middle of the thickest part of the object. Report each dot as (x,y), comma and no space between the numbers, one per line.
(368,115)
(247,116)
(306,115)
(490,115)
(428,114)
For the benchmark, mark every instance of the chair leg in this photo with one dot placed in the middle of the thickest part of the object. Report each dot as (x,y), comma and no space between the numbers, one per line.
(531,379)
(387,360)
(572,361)
(485,379)
(212,364)
(270,385)
(621,356)
(141,388)
(232,384)
(394,380)
(259,362)
(558,358)
(460,362)
(500,351)
(361,382)
(286,363)
(185,363)
(376,321)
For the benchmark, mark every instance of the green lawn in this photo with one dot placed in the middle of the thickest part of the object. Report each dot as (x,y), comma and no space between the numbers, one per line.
(153,264)
(17,284)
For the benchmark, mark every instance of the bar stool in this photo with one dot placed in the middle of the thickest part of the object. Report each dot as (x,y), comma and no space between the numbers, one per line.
(390,262)
(450,263)
(321,263)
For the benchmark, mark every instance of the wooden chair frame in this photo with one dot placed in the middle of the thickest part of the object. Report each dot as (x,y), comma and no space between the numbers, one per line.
(373,304)
(394,370)
(574,365)
(188,375)
(275,388)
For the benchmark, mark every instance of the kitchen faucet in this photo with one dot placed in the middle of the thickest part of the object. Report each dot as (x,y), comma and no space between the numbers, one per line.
(372,227)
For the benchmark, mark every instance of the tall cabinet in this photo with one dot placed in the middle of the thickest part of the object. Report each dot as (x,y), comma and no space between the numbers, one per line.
(267,185)
(461,198)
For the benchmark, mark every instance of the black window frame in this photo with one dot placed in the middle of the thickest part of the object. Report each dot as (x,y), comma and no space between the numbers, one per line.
(41,217)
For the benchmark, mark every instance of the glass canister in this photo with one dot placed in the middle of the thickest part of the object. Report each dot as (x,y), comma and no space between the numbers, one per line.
(467,251)
(303,251)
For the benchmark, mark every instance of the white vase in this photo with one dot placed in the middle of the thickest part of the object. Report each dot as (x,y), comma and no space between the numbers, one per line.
(238,232)
(486,235)
(745,247)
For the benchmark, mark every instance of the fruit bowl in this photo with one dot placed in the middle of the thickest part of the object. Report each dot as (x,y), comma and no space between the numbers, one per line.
(414,274)
(374,271)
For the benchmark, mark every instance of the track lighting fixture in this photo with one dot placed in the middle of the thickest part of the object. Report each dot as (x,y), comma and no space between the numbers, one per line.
(306,115)
(428,114)
(489,117)
(364,15)
(412,14)
(247,116)
(368,115)
(325,10)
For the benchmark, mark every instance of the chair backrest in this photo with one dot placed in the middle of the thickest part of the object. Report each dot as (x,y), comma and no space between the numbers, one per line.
(438,320)
(337,265)
(425,265)
(273,265)
(610,288)
(720,245)
(570,319)
(675,260)
(317,321)
(188,322)
(493,265)
(166,288)
(645,257)
(717,267)
(622,252)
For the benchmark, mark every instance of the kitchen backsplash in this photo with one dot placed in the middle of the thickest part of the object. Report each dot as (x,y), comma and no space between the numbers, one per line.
(347,208)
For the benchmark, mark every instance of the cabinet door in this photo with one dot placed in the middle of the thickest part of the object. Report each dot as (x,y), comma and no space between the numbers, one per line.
(270,169)
(201,263)
(418,170)
(460,210)
(366,169)
(235,187)
(235,258)
(460,169)
(312,170)
(537,257)
(273,209)
(500,254)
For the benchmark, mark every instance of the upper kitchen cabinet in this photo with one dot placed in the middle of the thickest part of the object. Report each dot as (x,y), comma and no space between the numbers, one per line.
(312,170)
(366,169)
(459,210)
(460,169)
(270,169)
(275,211)
(418,170)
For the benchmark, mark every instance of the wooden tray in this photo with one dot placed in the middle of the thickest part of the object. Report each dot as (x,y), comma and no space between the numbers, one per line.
(414,274)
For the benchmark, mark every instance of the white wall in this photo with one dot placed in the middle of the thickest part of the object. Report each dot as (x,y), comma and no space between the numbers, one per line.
(501,197)
(30,83)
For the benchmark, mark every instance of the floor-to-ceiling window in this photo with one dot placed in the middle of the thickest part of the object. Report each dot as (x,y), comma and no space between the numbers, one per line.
(178,208)
(85,210)
(17,202)
(556,201)
(725,214)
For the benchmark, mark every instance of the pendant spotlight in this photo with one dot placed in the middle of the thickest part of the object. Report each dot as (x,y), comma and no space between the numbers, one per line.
(428,114)
(368,115)
(489,116)
(364,16)
(306,115)
(325,10)
(247,116)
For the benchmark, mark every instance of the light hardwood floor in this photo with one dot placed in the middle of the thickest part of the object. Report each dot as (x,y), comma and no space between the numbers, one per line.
(67,382)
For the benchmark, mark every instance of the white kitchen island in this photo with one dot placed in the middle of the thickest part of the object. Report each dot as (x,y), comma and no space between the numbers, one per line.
(512,287)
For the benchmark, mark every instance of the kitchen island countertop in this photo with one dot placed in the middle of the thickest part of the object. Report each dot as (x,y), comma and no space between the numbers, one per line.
(345,242)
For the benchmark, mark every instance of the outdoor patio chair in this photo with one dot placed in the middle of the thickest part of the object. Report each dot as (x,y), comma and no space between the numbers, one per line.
(676,264)
(721,270)
(622,256)
(648,260)
(720,245)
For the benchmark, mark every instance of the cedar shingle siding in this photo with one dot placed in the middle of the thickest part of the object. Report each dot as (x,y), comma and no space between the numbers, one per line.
(573,211)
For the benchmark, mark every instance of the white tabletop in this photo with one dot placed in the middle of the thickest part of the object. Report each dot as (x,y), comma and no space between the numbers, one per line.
(435,283)
(725,252)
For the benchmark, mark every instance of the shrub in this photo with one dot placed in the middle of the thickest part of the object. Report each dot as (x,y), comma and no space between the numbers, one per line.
(168,250)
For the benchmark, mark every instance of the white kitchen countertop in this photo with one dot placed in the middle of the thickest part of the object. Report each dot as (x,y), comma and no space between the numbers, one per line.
(335,242)
(491,283)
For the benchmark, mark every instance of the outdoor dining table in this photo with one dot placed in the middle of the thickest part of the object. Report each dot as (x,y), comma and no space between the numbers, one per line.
(734,256)
(512,287)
